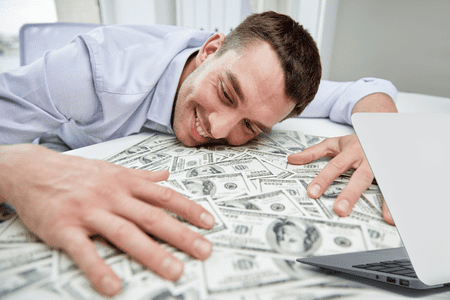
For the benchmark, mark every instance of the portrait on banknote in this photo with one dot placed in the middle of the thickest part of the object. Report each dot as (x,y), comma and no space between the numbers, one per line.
(293,236)
(204,170)
(200,187)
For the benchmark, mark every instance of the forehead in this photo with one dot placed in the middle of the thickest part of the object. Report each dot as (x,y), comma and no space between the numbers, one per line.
(258,70)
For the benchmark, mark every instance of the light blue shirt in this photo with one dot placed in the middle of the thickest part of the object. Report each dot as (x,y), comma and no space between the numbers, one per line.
(120,80)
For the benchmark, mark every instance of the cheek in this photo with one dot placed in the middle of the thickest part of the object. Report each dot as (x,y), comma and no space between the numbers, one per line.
(239,137)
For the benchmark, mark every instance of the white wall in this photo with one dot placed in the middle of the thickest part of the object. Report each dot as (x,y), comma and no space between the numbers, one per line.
(405,41)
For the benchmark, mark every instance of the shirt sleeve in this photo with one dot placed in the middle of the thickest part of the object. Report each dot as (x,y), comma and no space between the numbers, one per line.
(37,98)
(335,100)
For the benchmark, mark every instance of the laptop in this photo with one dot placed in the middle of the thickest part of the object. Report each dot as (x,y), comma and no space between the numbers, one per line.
(409,154)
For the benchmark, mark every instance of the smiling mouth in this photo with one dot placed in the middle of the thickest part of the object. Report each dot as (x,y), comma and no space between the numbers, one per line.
(199,127)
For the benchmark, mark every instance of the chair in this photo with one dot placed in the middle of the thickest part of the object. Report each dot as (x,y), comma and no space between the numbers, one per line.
(35,39)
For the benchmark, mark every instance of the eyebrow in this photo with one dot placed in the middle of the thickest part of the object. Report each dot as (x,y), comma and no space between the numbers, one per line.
(237,88)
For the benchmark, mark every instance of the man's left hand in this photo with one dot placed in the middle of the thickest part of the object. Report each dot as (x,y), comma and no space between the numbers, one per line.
(347,153)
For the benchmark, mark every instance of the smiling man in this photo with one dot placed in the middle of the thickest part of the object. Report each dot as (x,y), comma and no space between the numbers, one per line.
(202,87)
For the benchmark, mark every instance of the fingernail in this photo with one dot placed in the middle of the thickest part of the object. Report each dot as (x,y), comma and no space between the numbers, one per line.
(172,266)
(343,206)
(207,219)
(315,190)
(203,247)
(111,286)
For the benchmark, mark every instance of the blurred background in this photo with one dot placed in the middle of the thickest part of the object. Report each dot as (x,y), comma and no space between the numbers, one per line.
(404,41)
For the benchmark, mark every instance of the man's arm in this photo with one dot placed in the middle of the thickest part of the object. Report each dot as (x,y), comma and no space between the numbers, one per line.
(66,199)
(347,153)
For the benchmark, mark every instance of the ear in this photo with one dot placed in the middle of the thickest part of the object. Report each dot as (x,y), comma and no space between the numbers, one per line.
(209,48)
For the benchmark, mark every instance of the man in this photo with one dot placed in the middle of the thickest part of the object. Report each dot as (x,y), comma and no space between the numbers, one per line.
(120,80)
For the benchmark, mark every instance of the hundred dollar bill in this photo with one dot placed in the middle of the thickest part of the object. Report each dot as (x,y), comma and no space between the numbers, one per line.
(297,191)
(150,144)
(198,159)
(278,160)
(292,292)
(227,271)
(381,234)
(223,152)
(206,203)
(144,160)
(286,138)
(64,266)
(217,186)
(11,258)
(288,236)
(167,293)
(362,206)
(24,277)
(16,232)
(272,202)
(160,165)
(258,146)
(250,167)
(78,287)
(312,140)
(290,143)
(312,167)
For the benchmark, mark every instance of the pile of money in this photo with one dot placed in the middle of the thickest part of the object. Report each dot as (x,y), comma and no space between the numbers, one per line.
(264,222)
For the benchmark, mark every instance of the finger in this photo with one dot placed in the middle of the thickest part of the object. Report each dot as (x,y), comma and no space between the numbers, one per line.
(83,251)
(160,224)
(386,214)
(154,176)
(149,175)
(132,240)
(325,148)
(329,173)
(358,183)
(169,199)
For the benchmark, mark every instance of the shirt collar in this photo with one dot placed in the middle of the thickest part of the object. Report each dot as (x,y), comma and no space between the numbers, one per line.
(163,99)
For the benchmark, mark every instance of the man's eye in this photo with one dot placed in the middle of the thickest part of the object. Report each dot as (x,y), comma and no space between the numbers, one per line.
(248,125)
(225,95)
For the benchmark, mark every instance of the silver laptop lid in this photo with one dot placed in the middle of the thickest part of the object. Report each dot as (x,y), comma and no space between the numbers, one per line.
(409,155)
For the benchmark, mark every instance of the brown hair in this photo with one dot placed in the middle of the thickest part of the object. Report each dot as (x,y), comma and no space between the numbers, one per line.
(296,49)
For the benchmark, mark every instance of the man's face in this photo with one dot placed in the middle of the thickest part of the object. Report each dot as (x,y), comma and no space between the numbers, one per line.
(232,98)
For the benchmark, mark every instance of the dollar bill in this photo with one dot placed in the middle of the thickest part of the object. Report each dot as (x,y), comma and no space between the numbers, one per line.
(297,191)
(289,236)
(16,232)
(217,186)
(150,144)
(251,167)
(207,203)
(15,257)
(312,140)
(229,271)
(191,161)
(78,287)
(25,277)
(144,160)
(270,202)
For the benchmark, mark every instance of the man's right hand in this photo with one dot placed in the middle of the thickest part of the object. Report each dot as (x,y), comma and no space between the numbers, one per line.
(65,200)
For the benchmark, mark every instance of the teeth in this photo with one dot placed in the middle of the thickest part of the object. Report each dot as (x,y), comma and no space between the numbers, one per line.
(199,128)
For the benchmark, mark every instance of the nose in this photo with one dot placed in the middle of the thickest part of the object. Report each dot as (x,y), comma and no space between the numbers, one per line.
(222,123)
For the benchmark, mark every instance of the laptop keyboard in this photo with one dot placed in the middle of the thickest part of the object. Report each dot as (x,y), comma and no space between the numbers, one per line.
(397,267)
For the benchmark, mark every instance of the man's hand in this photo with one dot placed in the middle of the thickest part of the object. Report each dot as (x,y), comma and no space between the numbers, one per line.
(347,153)
(65,200)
